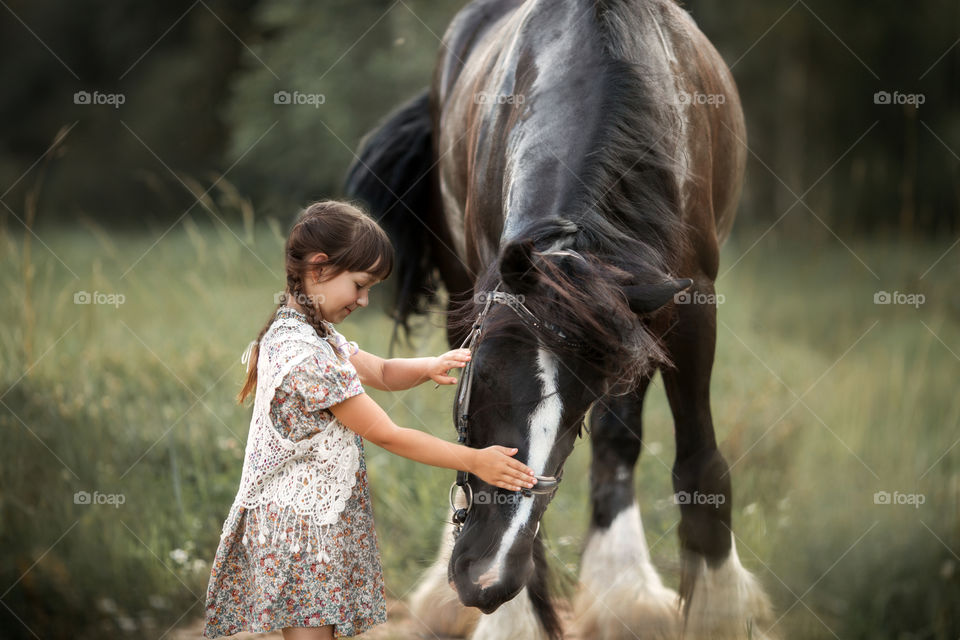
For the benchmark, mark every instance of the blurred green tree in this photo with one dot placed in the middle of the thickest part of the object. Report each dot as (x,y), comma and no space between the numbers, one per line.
(348,63)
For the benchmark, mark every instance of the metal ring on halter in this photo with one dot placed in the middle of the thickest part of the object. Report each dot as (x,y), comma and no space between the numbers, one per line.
(468,493)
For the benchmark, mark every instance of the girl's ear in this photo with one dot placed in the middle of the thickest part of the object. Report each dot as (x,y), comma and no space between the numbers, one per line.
(316,260)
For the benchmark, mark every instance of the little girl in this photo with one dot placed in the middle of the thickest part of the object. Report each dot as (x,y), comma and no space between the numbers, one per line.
(298,550)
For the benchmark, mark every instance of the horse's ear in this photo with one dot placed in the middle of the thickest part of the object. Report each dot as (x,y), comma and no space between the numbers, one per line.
(556,233)
(646,298)
(516,267)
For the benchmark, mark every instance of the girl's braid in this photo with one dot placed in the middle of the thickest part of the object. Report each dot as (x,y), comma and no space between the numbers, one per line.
(295,286)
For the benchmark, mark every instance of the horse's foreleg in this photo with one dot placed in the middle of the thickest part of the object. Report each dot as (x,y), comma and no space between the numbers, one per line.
(621,594)
(721,599)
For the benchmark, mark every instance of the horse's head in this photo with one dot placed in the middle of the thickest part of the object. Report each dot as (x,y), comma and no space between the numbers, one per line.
(569,330)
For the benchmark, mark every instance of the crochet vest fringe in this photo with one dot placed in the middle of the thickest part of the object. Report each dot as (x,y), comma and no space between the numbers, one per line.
(313,477)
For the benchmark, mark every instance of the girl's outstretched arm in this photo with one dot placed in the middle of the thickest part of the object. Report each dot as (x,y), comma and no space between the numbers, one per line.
(397,374)
(493,464)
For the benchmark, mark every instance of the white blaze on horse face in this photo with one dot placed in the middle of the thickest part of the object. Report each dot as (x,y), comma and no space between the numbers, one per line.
(543,425)
(545,420)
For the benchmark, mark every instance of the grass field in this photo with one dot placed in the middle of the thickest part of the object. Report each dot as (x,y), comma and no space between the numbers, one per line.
(821,399)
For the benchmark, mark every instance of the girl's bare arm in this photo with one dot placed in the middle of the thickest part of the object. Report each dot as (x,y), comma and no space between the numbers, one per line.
(369,368)
(493,464)
(397,374)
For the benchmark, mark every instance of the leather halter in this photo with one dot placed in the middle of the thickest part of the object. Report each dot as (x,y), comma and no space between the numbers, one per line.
(546,485)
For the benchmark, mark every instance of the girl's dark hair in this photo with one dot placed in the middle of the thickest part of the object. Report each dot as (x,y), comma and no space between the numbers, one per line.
(352,240)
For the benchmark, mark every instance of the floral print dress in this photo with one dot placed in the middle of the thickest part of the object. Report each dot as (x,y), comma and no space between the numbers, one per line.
(259,588)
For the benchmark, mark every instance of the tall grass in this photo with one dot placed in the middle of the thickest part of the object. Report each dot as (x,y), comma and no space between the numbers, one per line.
(820,399)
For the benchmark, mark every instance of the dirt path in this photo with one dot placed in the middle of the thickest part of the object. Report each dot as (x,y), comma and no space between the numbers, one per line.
(400,626)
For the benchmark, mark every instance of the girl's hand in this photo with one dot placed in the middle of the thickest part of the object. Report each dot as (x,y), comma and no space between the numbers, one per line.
(438,367)
(495,466)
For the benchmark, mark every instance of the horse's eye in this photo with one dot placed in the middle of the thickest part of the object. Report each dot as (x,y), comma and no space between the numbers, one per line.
(482,374)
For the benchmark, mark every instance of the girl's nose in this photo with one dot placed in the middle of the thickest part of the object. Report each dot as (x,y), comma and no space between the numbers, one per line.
(363,300)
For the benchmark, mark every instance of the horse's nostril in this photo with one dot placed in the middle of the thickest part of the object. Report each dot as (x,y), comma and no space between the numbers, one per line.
(489,577)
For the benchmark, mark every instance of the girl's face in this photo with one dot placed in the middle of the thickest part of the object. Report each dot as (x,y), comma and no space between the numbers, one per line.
(338,296)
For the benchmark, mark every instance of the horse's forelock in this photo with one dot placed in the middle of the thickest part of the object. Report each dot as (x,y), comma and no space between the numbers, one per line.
(580,297)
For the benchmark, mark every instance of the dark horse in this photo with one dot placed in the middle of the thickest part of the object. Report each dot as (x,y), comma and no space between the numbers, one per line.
(585,156)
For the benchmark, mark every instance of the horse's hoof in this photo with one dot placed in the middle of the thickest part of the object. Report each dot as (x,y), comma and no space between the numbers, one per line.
(621,595)
(725,603)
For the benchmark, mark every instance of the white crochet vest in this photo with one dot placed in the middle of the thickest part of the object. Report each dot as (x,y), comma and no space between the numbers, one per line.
(312,478)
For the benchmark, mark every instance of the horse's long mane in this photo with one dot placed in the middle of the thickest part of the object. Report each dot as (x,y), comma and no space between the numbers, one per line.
(630,205)
(628,212)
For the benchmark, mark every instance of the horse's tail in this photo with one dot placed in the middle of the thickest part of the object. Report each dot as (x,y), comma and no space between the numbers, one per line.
(393,177)
(538,589)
